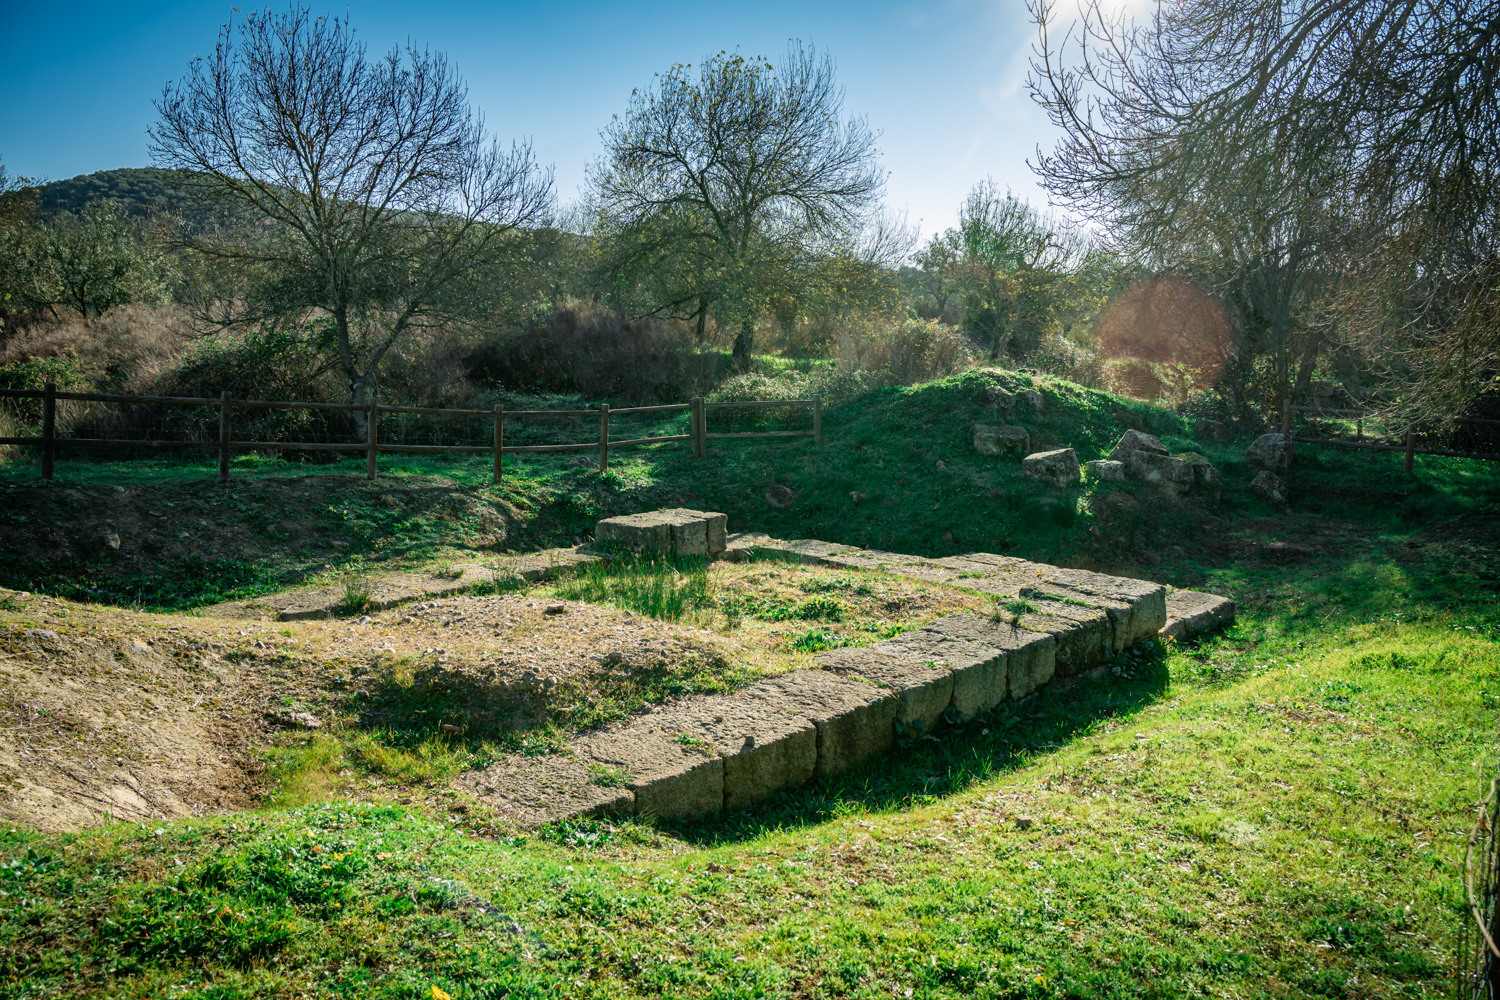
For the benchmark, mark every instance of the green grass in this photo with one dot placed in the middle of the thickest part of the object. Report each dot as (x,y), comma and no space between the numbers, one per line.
(657,587)
(1277,811)
(1287,824)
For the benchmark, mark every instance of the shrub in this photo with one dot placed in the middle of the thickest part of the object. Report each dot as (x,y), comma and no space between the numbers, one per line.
(917,350)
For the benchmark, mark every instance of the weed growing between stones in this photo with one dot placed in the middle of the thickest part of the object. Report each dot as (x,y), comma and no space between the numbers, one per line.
(660,588)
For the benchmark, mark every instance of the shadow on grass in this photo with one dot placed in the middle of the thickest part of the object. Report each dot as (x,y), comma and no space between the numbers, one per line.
(924,770)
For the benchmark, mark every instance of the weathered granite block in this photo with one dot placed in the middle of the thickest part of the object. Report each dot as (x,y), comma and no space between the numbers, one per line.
(853,717)
(1191,613)
(1031,657)
(669,775)
(979,671)
(1083,634)
(923,688)
(1145,610)
(759,733)
(648,533)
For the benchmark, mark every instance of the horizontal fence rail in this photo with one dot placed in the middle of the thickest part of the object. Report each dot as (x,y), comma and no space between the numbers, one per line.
(1408,445)
(225,444)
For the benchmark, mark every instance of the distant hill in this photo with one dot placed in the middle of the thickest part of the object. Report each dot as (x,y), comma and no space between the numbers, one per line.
(142,190)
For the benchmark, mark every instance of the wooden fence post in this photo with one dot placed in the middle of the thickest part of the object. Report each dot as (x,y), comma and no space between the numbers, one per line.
(1411,445)
(224,408)
(603,437)
(700,415)
(371,442)
(49,427)
(500,441)
(818,419)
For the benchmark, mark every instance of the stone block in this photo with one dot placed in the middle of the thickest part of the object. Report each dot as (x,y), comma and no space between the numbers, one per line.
(979,671)
(1058,467)
(1269,486)
(686,538)
(1270,451)
(537,790)
(1172,474)
(671,772)
(1105,469)
(1192,613)
(1084,635)
(1206,478)
(649,533)
(923,688)
(1031,657)
(1133,441)
(1002,439)
(853,717)
(1137,608)
(1032,398)
(765,744)
(1210,430)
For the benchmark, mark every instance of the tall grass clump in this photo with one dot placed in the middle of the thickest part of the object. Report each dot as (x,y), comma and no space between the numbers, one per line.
(659,588)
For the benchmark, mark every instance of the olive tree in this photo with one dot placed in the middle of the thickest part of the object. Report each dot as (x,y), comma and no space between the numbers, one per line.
(721,190)
(364,189)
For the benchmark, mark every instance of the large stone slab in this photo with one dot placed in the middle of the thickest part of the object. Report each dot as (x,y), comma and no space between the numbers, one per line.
(1144,609)
(1002,439)
(923,687)
(759,733)
(687,534)
(1192,613)
(649,533)
(853,717)
(536,790)
(1031,657)
(671,772)
(1058,467)
(979,671)
(1084,635)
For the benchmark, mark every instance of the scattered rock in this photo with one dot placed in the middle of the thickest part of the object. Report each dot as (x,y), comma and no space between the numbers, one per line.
(1002,439)
(449,727)
(1133,441)
(340,545)
(616,657)
(1270,451)
(1283,551)
(42,633)
(296,720)
(112,541)
(1058,467)
(998,399)
(1033,398)
(941,465)
(557,609)
(1206,478)
(1210,430)
(1269,486)
(858,496)
(1172,474)
(948,538)
(1024,822)
(365,619)
(1105,469)
(780,495)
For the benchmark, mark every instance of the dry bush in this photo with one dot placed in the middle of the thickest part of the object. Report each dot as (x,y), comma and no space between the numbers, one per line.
(916,350)
(576,348)
(1059,356)
(126,349)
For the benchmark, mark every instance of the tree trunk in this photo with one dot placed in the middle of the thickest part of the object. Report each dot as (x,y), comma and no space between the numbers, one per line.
(744,343)
(702,315)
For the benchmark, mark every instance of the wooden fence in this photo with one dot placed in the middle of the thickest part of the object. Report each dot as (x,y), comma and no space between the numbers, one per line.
(372,446)
(1408,443)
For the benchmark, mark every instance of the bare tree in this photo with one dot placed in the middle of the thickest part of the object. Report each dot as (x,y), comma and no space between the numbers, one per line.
(371,186)
(1334,163)
(717,192)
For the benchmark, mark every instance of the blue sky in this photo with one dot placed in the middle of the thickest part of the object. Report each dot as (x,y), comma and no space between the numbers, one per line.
(943,82)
